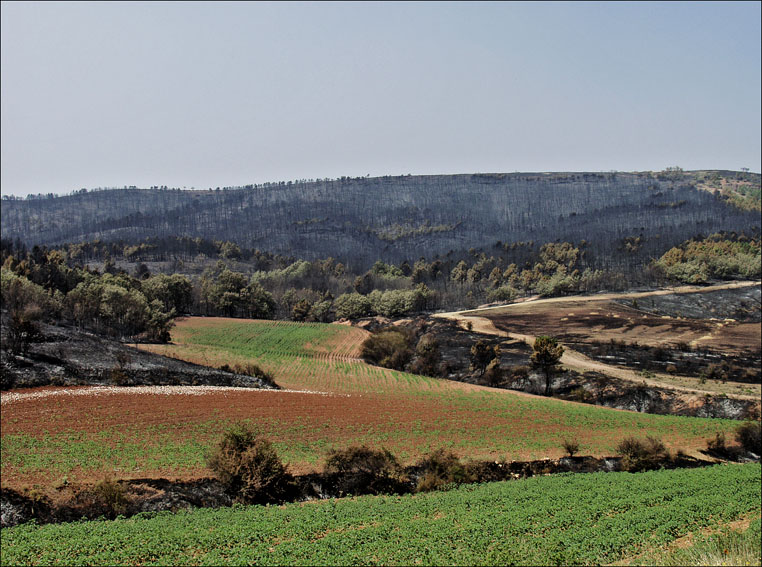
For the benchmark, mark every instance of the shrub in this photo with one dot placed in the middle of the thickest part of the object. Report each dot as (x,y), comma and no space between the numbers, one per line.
(7,377)
(571,447)
(641,454)
(494,375)
(112,496)
(749,435)
(389,348)
(518,374)
(249,466)
(440,470)
(503,293)
(360,470)
(428,356)
(250,369)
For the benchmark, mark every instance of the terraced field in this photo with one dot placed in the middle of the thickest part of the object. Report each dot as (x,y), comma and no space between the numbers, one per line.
(332,400)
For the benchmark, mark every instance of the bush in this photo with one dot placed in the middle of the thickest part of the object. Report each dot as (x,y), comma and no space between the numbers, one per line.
(360,470)
(749,435)
(107,498)
(642,454)
(428,356)
(250,369)
(389,348)
(571,447)
(249,466)
(112,496)
(440,470)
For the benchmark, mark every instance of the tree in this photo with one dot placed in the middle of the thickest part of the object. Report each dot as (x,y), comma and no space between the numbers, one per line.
(482,354)
(301,310)
(459,273)
(428,356)
(258,302)
(545,356)
(352,306)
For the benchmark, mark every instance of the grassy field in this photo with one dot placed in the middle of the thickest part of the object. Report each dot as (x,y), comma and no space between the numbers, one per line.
(565,519)
(135,435)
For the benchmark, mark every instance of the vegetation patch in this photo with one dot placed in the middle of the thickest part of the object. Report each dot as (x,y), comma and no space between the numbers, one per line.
(537,521)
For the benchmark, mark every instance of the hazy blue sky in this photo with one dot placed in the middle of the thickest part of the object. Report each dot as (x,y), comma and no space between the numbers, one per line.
(207,95)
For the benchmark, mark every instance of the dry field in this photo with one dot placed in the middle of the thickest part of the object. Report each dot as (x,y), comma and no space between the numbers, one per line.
(603,318)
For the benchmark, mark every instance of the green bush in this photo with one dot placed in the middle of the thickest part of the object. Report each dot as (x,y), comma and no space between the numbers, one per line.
(642,454)
(249,466)
(389,348)
(440,470)
(360,470)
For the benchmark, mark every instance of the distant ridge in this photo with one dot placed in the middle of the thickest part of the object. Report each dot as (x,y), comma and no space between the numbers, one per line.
(359,220)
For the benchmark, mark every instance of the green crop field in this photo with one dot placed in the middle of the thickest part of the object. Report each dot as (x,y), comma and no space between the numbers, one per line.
(565,519)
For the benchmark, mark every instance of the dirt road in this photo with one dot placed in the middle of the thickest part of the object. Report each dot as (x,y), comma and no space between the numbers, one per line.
(575,360)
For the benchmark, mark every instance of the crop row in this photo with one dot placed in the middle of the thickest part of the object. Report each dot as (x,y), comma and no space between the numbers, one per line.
(566,519)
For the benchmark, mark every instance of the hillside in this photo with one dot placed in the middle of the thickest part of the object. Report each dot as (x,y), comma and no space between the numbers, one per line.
(360,220)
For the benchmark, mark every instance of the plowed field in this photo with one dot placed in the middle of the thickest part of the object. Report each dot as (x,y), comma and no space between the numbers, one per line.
(55,437)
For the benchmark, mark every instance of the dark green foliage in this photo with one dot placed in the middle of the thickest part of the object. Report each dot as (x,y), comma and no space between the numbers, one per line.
(545,356)
(482,354)
(699,260)
(175,292)
(389,348)
(428,357)
(225,292)
(111,495)
(642,454)
(352,306)
(440,470)
(301,310)
(249,466)
(361,470)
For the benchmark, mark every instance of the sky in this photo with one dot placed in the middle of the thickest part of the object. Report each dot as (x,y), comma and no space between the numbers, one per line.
(203,95)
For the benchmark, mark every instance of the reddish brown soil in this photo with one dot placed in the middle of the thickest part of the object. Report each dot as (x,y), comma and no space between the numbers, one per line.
(408,422)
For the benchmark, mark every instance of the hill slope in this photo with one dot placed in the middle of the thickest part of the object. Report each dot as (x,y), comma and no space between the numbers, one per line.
(394,218)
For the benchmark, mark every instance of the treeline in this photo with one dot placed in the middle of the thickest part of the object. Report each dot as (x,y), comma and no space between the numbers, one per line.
(41,286)
(55,284)
(249,283)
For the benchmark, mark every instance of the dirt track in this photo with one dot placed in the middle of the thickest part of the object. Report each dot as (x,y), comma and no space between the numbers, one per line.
(577,361)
